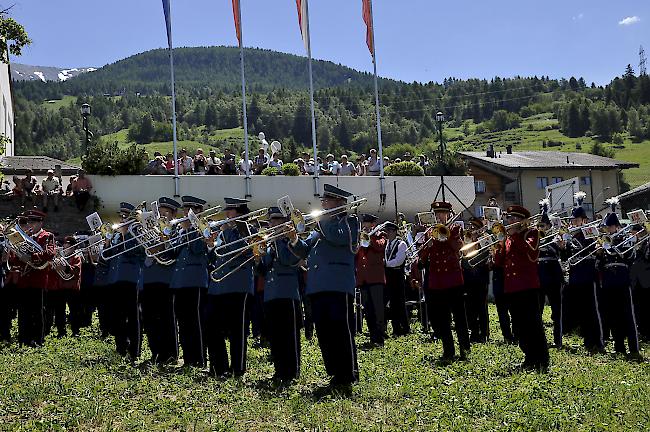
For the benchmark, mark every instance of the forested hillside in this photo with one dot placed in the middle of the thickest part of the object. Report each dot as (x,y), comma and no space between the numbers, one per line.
(132,94)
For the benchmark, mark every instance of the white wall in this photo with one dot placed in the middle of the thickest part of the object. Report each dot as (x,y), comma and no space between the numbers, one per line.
(414,194)
(6,109)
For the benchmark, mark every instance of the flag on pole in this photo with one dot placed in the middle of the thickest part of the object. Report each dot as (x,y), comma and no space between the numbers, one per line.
(237,14)
(367,18)
(303,21)
(168,21)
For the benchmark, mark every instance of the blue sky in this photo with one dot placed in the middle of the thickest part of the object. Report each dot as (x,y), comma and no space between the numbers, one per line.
(421,40)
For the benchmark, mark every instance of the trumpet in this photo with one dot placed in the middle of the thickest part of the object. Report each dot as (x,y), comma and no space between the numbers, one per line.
(62,267)
(438,232)
(364,241)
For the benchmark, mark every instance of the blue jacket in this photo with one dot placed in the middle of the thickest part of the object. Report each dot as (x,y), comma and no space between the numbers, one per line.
(155,273)
(191,268)
(240,281)
(128,265)
(280,270)
(330,253)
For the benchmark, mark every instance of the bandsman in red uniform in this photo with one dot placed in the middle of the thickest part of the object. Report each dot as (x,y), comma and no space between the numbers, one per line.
(444,288)
(518,256)
(371,279)
(31,281)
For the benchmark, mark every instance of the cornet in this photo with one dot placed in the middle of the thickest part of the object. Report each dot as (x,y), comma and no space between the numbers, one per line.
(364,241)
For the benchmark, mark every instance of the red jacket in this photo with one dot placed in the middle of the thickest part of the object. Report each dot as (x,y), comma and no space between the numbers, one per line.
(73,284)
(444,270)
(518,257)
(370,262)
(31,277)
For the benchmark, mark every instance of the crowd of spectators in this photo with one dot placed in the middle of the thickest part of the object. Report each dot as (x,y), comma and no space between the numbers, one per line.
(199,164)
(49,192)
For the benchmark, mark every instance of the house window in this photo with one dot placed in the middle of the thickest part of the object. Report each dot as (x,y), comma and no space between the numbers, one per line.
(585,181)
(479,186)
(542,182)
(479,211)
(557,180)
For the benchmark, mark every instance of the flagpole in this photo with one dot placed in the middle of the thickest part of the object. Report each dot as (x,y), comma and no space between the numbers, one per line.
(243,94)
(167,10)
(313,111)
(382,179)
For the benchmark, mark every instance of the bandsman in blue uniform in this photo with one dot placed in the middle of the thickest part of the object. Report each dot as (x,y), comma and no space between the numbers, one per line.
(229,292)
(127,267)
(158,299)
(189,279)
(330,250)
(617,289)
(280,267)
(551,277)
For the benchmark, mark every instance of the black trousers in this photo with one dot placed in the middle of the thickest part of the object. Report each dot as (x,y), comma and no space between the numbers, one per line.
(103,299)
(128,334)
(442,304)
(503,311)
(589,315)
(476,302)
(332,313)
(527,319)
(620,310)
(7,312)
(257,316)
(31,327)
(56,302)
(396,287)
(187,303)
(227,319)
(160,322)
(373,306)
(552,282)
(642,311)
(283,323)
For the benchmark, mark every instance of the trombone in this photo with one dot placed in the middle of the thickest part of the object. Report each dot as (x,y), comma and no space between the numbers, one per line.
(604,242)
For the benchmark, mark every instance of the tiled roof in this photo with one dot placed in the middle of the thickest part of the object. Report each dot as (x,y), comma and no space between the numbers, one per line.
(38,164)
(636,191)
(548,159)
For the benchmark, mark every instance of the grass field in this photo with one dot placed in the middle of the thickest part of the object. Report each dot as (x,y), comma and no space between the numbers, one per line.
(80,384)
(55,104)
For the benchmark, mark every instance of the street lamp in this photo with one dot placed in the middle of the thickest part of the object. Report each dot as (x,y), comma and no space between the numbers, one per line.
(85,113)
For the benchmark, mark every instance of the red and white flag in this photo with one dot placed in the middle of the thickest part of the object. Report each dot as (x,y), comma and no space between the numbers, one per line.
(303,21)
(236,11)
(367,18)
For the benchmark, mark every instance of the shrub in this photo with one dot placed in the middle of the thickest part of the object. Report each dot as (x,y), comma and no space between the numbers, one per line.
(405,168)
(398,150)
(617,138)
(109,159)
(290,169)
(270,171)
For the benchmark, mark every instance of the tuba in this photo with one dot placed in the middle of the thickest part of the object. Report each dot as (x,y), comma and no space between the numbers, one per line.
(23,246)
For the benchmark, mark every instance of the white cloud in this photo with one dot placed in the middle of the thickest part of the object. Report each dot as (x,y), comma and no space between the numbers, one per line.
(629,20)
(578,17)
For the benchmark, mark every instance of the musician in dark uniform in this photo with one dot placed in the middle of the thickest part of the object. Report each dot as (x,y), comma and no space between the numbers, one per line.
(330,250)
(581,299)
(444,295)
(640,277)
(6,295)
(371,279)
(189,279)
(395,260)
(126,257)
(551,277)
(476,278)
(229,291)
(157,296)
(280,266)
(103,293)
(614,261)
(518,256)
(32,282)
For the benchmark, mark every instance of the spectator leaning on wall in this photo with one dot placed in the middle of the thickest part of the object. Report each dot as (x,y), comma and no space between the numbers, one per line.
(81,190)
(51,187)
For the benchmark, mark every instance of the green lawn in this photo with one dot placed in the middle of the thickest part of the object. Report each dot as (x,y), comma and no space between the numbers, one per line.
(58,103)
(80,384)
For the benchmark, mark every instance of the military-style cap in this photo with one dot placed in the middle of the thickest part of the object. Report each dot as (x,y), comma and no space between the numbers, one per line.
(334,192)
(169,203)
(476,222)
(578,213)
(275,213)
(33,215)
(126,207)
(545,219)
(518,211)
(234,203)
(190,201)
(369,218)
(391,226)
(612,220)
(441,206)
